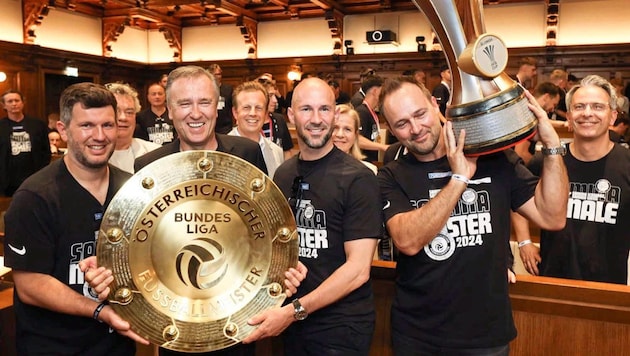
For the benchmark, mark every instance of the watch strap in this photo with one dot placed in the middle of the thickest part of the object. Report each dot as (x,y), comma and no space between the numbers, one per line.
(549,151)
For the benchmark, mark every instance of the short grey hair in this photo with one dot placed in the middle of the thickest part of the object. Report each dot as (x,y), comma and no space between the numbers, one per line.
(190,72)
(125,89)
(596,81)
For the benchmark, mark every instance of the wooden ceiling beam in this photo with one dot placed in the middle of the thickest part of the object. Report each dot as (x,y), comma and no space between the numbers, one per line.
(329,4)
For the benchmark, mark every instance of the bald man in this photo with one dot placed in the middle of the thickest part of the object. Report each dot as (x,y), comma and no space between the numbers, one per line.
(338,226)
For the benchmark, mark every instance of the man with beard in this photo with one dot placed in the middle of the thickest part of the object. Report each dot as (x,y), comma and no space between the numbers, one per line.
(338,226)
(449,216)
(52,224)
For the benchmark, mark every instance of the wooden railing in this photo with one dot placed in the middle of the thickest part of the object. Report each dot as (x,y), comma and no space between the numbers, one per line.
(553,316)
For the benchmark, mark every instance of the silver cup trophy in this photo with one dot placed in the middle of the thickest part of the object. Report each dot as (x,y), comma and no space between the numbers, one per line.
(484,101)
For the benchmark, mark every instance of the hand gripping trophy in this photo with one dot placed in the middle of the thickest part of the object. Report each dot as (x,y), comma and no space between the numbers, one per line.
(485,101)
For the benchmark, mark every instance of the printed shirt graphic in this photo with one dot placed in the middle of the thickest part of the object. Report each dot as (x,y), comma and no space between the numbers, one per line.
(311,227)
(469,223)
(20,141)
(595,242)
(331,209)
(161,133)
(454,291)
(154,128)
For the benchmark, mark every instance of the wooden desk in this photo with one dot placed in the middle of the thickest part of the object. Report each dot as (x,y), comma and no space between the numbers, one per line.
(553,316)
(6,298)
(7,323)
(556,316)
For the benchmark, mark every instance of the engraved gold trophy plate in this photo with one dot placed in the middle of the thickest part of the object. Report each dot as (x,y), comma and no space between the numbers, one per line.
(198,243)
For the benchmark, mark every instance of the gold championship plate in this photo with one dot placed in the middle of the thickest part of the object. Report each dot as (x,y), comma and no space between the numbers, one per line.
(198,243)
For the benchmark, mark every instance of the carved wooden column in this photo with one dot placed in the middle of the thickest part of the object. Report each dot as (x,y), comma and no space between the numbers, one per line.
(173,35)
(249,30)
(33,12)
(113,27)
(552,21)
(335,25)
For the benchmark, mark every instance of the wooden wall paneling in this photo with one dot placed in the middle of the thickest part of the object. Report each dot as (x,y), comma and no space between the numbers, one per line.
(9,83)
(30,86)
(31,62)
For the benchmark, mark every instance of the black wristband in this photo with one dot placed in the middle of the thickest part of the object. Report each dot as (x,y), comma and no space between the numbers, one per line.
(98,309)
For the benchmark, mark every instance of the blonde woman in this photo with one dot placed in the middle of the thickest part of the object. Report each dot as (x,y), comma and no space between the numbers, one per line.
(346,134)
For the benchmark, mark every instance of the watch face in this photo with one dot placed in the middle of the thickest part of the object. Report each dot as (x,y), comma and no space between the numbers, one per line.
(301,314)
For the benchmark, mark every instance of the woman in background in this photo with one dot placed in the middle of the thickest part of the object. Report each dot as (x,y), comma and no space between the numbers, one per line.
(346,134)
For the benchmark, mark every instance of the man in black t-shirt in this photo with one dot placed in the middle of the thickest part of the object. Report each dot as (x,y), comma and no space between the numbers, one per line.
(449,216)
(52,225)
(370,126)
(275,127)
(24,145)
(594,244)
(442,91)
(338,225)
(154,123)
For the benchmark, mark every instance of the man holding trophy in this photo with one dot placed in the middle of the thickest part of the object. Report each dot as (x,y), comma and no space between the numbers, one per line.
(447,209)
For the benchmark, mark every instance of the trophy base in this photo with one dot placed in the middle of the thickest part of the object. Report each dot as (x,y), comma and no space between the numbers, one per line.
(494,124)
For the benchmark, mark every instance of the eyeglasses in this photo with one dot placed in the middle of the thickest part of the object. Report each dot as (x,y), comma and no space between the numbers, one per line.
(297,192)
(597,107)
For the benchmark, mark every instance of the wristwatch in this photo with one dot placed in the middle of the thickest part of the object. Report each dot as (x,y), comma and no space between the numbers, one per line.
(560,150)
(299,312)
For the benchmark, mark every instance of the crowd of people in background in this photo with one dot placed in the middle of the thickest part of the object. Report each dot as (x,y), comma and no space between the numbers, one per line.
(408,189)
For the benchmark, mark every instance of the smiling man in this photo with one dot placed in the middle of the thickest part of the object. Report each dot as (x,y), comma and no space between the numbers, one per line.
(192,97)
(337,210)
(52,224)
(594,245)
(128,148)
(250,104)
(449,216)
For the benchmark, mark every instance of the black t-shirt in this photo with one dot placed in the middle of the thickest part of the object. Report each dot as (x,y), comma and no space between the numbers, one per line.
(335,199)
(595,242)
(24,149)
(369,129)
(155,128)
(454,292)
(51,225)
(442,94)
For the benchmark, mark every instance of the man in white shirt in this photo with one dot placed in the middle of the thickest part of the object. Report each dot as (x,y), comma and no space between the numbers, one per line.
(127,147)
(250,102)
